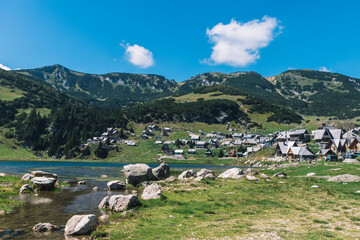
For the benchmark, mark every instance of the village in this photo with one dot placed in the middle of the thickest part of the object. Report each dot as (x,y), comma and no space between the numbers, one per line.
(326,143)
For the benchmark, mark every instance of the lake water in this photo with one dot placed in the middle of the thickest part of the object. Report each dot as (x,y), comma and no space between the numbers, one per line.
(58,207)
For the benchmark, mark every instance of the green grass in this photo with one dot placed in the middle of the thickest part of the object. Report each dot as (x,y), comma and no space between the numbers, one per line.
(7,94)
(217,209)
(9,186)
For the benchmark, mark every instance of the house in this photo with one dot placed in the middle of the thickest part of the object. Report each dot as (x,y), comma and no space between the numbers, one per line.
(211,135)
(249,141)
(237,135)
(158,142)
(192,151)
(194,137)
(300,135)
(238,142)
(179,152)
(298,153)
(231,153)
(168,142)
(200,144)
(225,143)
(167,149)
(208,153)
(144,136)
(328,153)
(130,143)
(213,143)
(282,148)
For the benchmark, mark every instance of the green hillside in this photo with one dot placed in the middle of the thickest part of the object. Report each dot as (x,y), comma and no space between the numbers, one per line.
(320,93)
(106,90)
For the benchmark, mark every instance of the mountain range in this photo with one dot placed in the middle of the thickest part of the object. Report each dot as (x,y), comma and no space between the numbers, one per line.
(308,92)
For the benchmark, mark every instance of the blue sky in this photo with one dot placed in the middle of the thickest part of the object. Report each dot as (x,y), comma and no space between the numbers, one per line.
(170,38)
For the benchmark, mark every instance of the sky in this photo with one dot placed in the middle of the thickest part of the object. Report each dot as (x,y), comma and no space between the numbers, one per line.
(180,39)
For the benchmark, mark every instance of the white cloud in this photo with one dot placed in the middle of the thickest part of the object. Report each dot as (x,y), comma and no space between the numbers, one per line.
(237,44)
(138,55)
(4,67)
(324,69)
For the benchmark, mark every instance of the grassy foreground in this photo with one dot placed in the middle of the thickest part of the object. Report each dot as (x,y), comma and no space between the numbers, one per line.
(9,186)
(239,209)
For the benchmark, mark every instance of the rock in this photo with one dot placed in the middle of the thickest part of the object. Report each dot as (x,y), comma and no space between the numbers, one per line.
(103,218)
(44,183)
(45,227)
(152,191)
(104,203)
(187,174)
(170,179)
(280,175)
(349,160)
(344,178)
(315,186)
(95,188)
(120,203)
(264,176)
(357,191)
(232,173)
(2,174)
(251,171)
(206,173)
(311,174)
(81,225)
(335,169)
(44,174)
(25,187)
(135,192)
(2,212)
(137,173)
(252,178)
(128,212)
(198,179)
(162,171)
(116,185)
(81,182)
(27,177)
(104,176)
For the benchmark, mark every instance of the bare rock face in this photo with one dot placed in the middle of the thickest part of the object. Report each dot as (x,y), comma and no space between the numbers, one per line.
(206,173)
(232,173)
(162,171)
(25,187)
(153,191)
(137,173)
(116,185)
(187,174)
(344,178)
(45,228)
(44,174)
(81,225)
(27,177)
(119,203)
(44,183)
(104,203)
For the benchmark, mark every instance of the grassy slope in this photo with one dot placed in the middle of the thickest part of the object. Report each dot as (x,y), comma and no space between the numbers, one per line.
(7,94)
(239,209)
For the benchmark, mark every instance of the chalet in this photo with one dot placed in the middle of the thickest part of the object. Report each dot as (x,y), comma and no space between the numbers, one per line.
(353,145)
(179,152)
(192,151)
(249,141)
(167,149)
(144,136)
(200,144)
(326,153)
(282,148)
(246,136)
(225,143)
(211,135)
(282,137)
(298,153)
(167,142)
(213,143)
(130,143)
(300,135)
(337,145)
(231,153)
(237,142)
(167,129)
(194,137)
(238,135)
(208,153)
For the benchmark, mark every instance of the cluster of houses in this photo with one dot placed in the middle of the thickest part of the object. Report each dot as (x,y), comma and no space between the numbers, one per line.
(332,143)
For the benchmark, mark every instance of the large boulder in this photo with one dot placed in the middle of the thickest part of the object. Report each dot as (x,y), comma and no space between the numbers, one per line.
(45,228)
(104,203)
(350,160)
(162,171)
(43,174)
(137,173)
(81,225)
(153,191)
(25,187)
(344,178)
(27,177)
(206,173)
(232,173)
(280,175)
(187,174)
(44,183)
(252,178)
(118,203)
(116,185)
